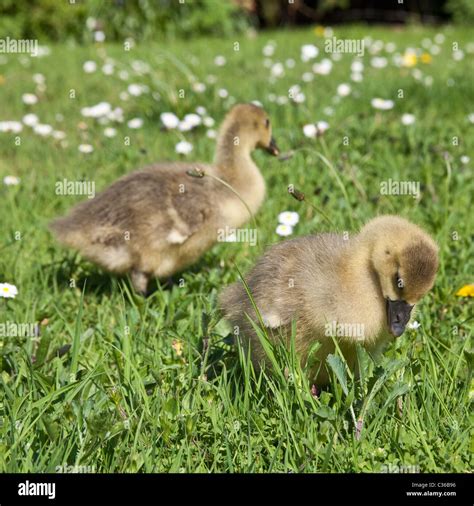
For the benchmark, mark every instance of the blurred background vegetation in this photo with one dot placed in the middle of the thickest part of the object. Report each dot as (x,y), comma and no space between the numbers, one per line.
(85,21)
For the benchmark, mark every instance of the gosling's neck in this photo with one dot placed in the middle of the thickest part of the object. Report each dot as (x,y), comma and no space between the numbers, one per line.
(233,155)
(234,164)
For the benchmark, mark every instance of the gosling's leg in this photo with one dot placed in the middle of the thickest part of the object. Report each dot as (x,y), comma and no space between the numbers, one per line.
(140,281)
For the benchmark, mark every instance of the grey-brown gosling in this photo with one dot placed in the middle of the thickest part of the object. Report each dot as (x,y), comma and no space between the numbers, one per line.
(359,289)
(158,220)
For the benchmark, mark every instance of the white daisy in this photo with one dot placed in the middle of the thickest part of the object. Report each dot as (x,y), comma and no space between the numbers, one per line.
(322,126)
(208,121)
(414,325)
(110,132)
(85,148)
(465,159)
(96,111)
(30,120)
(89,66)
(116,115)
(343,90)
(220,61)
(310,130)
(199,87)
(268,50)
(308,52)
(11,180)
(185,126)
(183,148)
(277,69)
(201,110)
(59,135)
(135,123)
(39,78)
(357,66)
(43,130)
(284,230)
(135,89)
(223,93)
(379,62)
(11,126)
(193,119)
(383,105)
(29,98)
(323,68)
(169,120)
(408,119)
(8,291)
(211,134)
(288,218)
(99,36)
(124,75)
(108,69)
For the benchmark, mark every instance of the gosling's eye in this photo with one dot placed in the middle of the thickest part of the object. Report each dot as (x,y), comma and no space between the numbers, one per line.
(267,123)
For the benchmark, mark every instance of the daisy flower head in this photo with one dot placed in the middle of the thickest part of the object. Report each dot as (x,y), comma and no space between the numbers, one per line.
(288,218)
(169,120)
(11,180)
(183,148)
(381,104)
(343,90)
(85,148)
(8,291)
(308,52)
(284,230)
(29,98)
(408,119)
(310,130)
(89,66)
(135,123)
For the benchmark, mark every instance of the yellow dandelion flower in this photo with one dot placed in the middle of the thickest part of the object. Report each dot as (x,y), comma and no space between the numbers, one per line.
(466,291)
(426,58)
(319,31)
(409,60)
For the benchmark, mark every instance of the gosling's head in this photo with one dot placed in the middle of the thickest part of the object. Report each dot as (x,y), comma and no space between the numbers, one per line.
(248,126)
(405,260)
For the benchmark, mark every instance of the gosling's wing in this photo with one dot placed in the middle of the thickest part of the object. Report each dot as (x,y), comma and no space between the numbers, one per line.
(161,202)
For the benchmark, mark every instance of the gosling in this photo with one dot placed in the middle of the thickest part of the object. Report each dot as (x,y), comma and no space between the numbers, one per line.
(358,289)
(159,220)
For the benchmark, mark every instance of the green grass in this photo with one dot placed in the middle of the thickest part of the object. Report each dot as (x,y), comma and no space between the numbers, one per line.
(122,397)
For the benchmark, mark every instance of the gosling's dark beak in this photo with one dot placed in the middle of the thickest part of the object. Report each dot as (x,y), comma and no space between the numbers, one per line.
(398,315)
(272,148)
